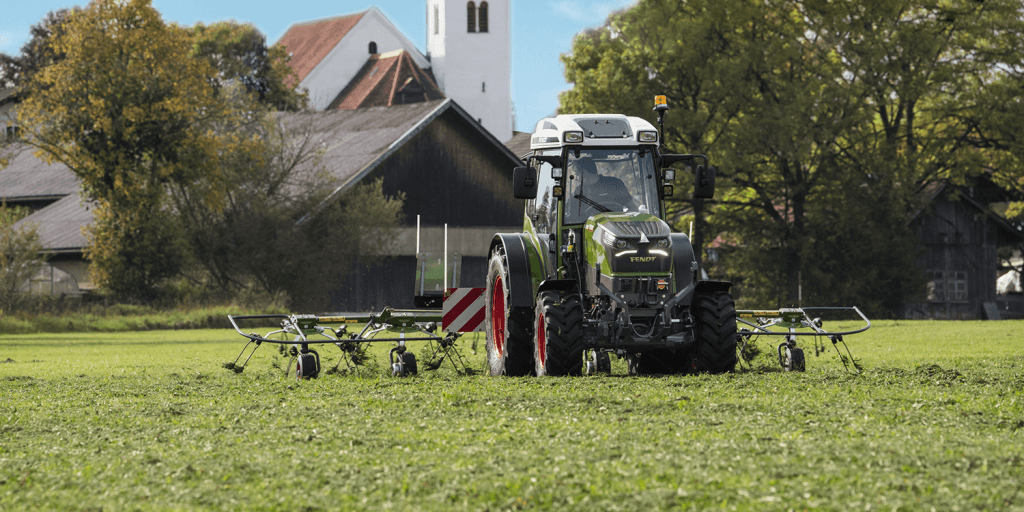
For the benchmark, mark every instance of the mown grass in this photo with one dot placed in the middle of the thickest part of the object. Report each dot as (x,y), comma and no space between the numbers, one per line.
(150,421)
(118,318)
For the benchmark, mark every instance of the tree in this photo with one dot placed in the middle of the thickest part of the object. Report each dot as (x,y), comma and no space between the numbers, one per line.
(36,53)
(826,120)
(20,257)
(129,111)
(239,52)
(269,237)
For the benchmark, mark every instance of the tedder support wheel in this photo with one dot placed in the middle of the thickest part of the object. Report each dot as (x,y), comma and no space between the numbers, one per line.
(793,359)
(409,361)
(558,336)
(715,350)
(596,361)
(508,328)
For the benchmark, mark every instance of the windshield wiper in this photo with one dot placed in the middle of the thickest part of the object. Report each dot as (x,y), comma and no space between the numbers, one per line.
(593,204)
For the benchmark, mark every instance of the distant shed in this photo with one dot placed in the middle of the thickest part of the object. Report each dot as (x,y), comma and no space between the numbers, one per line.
(962,236)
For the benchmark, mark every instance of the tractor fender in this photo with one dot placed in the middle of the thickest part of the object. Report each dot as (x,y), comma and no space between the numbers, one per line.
(682,260)
(521,293)
(561,285)
(712,286)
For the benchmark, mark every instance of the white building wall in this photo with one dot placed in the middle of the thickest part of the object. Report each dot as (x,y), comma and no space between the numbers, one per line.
(474,68)
(338,68)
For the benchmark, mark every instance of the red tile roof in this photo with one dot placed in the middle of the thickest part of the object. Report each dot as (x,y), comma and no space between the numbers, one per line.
(309,42)
(387,79)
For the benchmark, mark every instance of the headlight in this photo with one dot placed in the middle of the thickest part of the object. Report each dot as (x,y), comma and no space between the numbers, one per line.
(647,136)
(663,243)
(620,243)
(573,137)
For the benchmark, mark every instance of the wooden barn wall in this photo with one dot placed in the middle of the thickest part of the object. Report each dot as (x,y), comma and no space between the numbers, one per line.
(452,174)
(958,237)
(391,283)
(449,174)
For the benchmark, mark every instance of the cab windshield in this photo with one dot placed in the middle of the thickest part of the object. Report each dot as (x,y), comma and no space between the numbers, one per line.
(609,180)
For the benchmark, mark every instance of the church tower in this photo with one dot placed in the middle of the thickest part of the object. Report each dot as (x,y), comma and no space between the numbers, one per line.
(469,44)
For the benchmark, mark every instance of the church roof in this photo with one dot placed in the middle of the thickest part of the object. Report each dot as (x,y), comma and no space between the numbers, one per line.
(310,41)
(385,80)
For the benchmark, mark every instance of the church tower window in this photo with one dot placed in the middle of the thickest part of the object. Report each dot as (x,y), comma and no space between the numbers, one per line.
(470,17)
(482,13)
(373,47)
(437,20)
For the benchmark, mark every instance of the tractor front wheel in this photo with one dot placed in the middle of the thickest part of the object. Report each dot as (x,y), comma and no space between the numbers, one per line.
(508,328)
(715,350)
(558,337)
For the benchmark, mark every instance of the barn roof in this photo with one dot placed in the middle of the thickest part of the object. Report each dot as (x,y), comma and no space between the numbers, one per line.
(310,41)
(28,178)
(519,144)
(356,141)
(60,225)
(387,79)
(939,189)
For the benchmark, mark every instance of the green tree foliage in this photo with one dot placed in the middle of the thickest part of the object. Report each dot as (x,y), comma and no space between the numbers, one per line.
(129,111)
(274,236)
(826,119)
(20,257)
(239,52)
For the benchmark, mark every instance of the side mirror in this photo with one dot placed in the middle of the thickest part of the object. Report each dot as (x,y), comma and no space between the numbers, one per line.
(704,182)
(554,160)
(524,183)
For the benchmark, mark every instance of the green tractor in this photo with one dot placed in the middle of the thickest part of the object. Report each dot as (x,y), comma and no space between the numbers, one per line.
(597,271)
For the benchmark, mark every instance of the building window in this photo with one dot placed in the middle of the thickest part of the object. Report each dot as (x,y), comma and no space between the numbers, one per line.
(470,17)
(437,21)
(13,131)
(483,86)
(482,13)
(373,48)
(948,286)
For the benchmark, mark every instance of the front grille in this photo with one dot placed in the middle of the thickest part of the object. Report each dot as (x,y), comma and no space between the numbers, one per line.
(647,227)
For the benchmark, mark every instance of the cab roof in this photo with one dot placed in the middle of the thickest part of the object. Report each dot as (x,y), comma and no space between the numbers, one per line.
(597,130)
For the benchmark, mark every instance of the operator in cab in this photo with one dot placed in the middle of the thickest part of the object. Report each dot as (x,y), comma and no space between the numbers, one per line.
(596,192)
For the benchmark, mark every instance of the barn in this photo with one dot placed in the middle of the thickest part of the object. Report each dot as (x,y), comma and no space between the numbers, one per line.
(451,171)
(968,246)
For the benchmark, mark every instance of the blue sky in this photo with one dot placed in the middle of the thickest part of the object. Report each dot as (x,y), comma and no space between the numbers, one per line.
(541,31)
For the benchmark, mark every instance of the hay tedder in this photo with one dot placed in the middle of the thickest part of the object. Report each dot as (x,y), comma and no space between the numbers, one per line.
(791,356)
(388,326)
(445,306)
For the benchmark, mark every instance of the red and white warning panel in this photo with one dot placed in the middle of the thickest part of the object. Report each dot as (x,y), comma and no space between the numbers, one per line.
(463,310)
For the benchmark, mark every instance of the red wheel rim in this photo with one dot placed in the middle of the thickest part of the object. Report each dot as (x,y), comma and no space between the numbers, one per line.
(542,342)
(498,315)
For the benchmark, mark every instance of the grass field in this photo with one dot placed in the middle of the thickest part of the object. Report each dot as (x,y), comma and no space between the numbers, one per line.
(150,421)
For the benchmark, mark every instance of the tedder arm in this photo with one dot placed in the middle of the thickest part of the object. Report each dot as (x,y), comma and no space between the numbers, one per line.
(791,357)
(308,330)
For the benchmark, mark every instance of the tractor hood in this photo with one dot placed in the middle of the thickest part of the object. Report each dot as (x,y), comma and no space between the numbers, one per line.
(628,244)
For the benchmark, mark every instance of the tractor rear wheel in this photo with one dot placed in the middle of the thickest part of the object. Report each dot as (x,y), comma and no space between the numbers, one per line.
(715,350)
(508,328)
(558,337)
